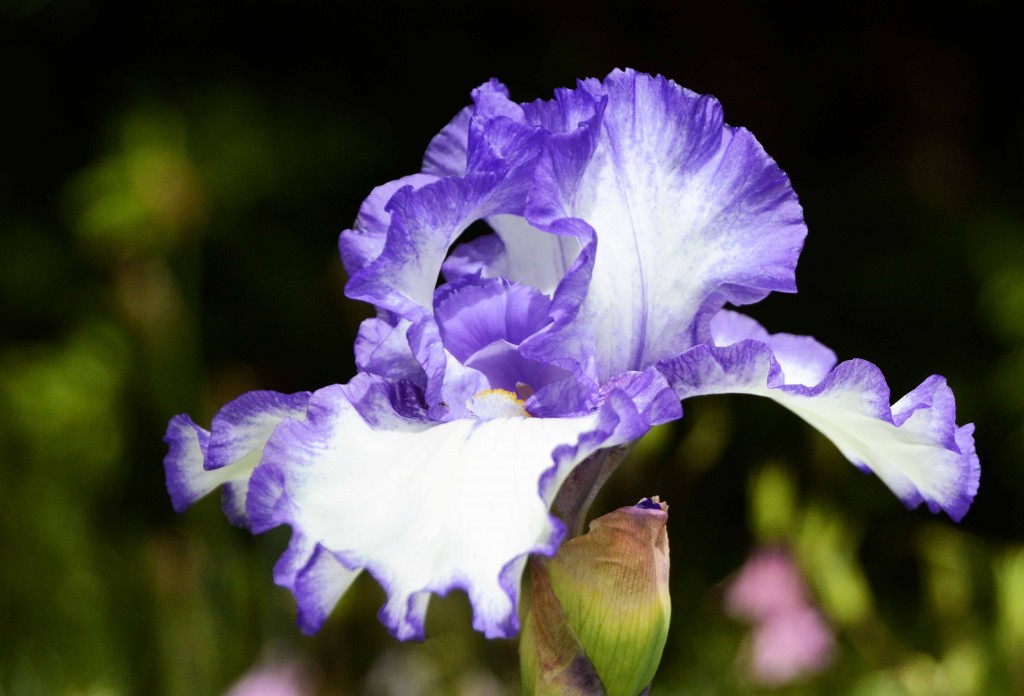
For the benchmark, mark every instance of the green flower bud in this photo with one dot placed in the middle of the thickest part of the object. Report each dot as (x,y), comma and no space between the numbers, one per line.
(600,608)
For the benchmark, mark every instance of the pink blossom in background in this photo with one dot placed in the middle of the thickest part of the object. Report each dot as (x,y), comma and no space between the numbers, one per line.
(790,637)
(790,644)
(767,584)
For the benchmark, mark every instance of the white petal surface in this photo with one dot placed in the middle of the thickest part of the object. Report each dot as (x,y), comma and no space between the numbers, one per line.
(199,461)
(425,508)
(532,257)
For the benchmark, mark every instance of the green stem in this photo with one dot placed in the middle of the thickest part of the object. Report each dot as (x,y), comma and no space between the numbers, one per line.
(582,486)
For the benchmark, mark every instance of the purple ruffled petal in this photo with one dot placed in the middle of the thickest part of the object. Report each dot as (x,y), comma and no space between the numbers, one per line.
(571,124)
(198,461)
(573,396)
(501,154)
(242,426)
(424,224)
(481,324)
(475,313)
(187,480)
(382,348)
(484,256)
(446,153)
(802,358)
(365,242)
(914,446)
(651,394)
(318,587)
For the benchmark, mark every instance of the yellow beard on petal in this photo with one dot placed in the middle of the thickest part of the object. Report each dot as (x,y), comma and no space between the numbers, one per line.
(497,403)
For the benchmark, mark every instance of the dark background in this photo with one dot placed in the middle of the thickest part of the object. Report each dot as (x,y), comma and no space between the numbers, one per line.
(173,176)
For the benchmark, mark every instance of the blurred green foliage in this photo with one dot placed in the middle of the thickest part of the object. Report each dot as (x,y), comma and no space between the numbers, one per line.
(170,197)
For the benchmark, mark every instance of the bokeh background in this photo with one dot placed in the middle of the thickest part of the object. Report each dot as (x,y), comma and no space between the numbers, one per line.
(173,176)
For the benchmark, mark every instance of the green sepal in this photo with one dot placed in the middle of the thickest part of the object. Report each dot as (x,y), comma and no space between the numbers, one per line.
(603,598)
(552,660)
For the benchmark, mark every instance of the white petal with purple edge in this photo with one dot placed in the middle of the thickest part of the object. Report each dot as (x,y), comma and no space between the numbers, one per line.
(198,461)
(689,213)
(426,508)
(424,224)
(914,446)
(365,241)
(187,480)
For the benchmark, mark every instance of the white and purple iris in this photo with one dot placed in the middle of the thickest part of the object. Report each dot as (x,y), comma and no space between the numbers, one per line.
(625,216)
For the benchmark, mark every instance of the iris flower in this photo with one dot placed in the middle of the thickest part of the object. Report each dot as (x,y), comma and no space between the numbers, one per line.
(624,215)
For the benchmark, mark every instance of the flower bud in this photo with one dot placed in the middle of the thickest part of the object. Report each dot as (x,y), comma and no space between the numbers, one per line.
(600,608)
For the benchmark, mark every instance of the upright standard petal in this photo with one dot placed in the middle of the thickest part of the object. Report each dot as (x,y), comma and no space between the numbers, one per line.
(501,153)
(365,241)
(689,214)
(424,224)
(568,128)
(424,507)
(914,445)
(446,153)
(198,461)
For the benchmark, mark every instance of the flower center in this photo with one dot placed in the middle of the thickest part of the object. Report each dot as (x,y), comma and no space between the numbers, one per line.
(497,403)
